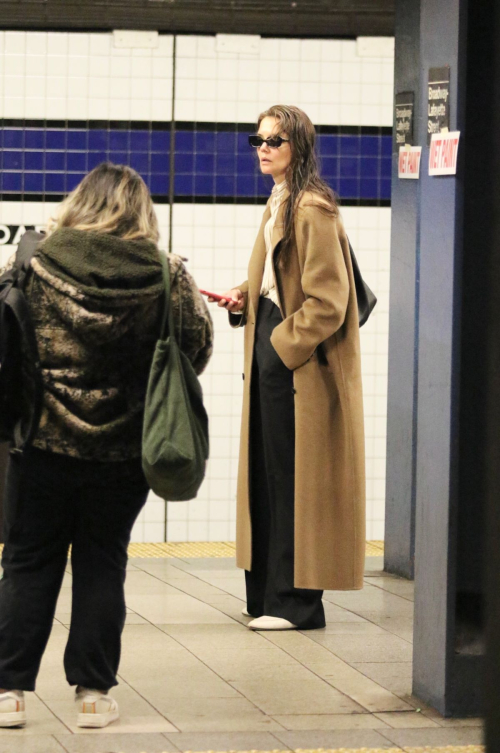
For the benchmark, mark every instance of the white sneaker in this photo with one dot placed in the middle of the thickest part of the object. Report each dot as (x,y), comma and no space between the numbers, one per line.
(271,623)
(245,612)
(12,709)
(95,709)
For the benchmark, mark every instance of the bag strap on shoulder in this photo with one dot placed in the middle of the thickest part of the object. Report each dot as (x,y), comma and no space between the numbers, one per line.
(167,326)
(25,252)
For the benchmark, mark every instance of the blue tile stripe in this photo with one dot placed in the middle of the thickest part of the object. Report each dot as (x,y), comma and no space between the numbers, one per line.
(211,164)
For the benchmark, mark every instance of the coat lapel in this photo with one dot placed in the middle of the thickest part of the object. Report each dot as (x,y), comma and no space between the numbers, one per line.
(257,261)
(256,265)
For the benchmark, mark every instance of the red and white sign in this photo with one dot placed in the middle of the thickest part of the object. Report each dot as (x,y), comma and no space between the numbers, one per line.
(443,153)
(409,162)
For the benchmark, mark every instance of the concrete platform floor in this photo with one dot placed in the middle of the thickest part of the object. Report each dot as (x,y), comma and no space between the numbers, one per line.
(193,678)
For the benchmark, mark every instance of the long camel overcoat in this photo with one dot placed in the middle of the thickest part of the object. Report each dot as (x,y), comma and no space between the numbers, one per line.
(319,341)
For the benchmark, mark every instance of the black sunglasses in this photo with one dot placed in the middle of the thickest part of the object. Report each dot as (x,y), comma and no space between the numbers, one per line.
(274,142)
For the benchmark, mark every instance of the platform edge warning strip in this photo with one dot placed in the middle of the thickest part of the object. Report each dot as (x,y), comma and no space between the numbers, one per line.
(198,549)
(404,749)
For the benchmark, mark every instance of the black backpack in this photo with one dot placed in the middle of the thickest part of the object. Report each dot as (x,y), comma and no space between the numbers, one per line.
(21,386)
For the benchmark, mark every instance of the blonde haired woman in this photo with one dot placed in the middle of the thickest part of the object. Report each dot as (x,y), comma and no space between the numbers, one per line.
(95,293)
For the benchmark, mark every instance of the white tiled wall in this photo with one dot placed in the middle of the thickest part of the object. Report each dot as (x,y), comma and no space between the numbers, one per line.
(324,77)
(79,76)
(83,76)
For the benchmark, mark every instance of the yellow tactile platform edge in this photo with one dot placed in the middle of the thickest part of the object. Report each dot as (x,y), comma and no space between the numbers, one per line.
(211,549)
(427,749)
(195,549)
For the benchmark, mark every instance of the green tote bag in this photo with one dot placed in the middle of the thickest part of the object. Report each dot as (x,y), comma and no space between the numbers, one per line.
(175,429)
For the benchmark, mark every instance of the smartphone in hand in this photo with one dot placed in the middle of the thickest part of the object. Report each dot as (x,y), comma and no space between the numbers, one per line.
(216,296)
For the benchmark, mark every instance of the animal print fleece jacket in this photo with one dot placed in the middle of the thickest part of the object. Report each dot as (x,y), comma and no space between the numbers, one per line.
(97,302)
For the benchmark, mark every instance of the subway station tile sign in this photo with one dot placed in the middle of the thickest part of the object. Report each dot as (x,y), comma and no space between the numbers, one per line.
(438,105)
(404,118)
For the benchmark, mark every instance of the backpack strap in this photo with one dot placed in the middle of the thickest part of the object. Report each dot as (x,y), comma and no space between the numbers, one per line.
(18,305)
(25,252)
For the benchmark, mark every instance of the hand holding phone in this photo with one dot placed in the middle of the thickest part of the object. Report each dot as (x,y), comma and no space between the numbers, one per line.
(232,301)
(216,296)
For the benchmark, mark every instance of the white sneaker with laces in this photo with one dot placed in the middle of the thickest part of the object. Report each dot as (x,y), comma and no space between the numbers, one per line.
(12,709)
(95,709)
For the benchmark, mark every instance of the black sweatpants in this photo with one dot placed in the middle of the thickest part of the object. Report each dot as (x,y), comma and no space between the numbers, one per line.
(50,502)
(270,583)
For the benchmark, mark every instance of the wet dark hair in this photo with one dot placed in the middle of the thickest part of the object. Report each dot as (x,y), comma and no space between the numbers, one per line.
(303,172)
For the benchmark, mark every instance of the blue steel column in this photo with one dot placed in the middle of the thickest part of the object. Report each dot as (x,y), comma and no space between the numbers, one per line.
(439,678)
(403,323)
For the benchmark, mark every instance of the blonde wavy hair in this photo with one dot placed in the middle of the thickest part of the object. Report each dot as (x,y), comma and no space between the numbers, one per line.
(111,199)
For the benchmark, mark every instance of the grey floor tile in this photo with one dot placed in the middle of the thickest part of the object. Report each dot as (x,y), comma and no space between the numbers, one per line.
(336,739)
(216,715)
(435,737)
(131,619)
(394,585)
(368,694)
(233,664)
(406,720)
(338,673)
(228,584)
(301,646)
(175,609)
(371,599)
(157,565)
(472,722)
(293,690)
(394,676)
(102,741)
(217,637)
(334,613)
(135,619)
(223,741)
(41,744)
(196,587)
(138,582)
(209,563)
(229,605)
(353,628)
(363,648)
(318,722)
(400,626)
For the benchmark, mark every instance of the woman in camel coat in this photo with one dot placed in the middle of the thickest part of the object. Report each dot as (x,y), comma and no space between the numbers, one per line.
(301,480)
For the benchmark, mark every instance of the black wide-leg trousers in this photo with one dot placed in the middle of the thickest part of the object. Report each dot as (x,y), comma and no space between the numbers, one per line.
(50,502)
(270,583)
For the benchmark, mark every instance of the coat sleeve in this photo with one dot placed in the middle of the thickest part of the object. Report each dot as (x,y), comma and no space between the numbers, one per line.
(194,328)
(325,284)
(239,320)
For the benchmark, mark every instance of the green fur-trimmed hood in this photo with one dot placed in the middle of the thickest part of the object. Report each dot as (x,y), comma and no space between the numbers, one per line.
(103,266)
